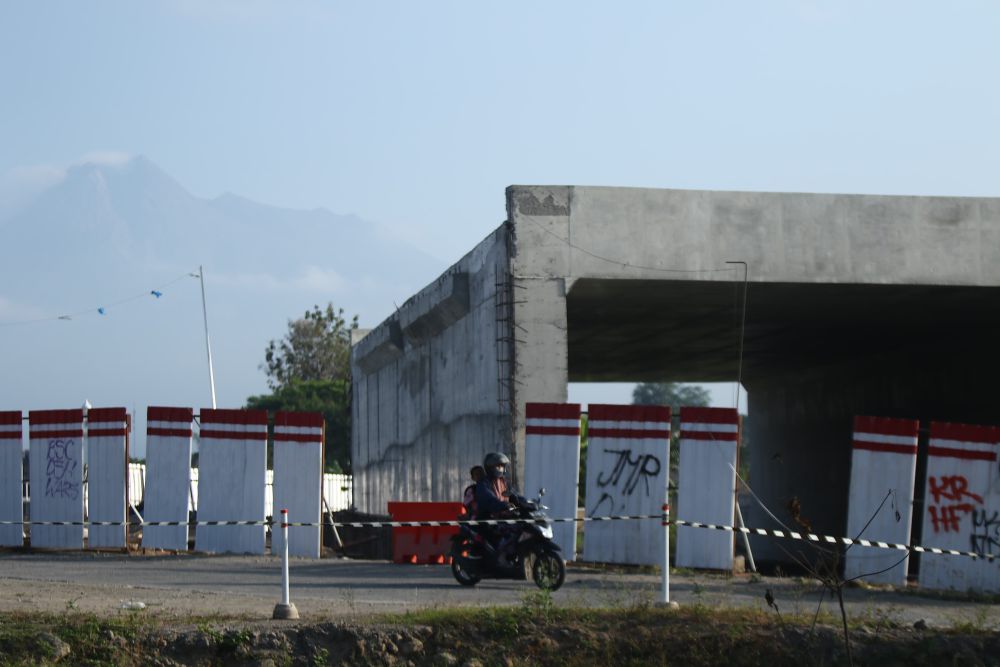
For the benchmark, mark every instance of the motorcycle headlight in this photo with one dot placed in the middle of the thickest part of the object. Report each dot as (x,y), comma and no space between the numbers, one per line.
(547,532)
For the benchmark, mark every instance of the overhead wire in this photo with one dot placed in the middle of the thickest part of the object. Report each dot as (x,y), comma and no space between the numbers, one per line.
(102,309)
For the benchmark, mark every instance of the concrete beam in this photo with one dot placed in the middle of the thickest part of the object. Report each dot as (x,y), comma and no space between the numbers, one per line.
(434,312)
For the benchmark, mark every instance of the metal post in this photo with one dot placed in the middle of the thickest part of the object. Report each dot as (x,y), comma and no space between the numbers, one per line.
(208,342)
(284,610)
(746,538)
(666,554)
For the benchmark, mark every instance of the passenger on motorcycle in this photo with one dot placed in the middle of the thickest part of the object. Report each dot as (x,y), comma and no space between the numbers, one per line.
(469,495)
(492,497)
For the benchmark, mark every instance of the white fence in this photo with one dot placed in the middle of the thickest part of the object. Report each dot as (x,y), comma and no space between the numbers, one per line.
(337,489)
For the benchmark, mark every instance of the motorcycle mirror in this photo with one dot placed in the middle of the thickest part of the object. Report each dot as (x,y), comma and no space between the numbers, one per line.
(541,492)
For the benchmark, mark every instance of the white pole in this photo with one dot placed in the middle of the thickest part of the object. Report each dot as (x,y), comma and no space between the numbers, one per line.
(208,342)
(666,554)
(285,609)
(284,558)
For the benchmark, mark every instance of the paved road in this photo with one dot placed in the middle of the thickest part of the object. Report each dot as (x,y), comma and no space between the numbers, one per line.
(250,586)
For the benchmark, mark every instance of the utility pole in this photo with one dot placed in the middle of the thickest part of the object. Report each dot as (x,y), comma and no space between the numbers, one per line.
(208,342)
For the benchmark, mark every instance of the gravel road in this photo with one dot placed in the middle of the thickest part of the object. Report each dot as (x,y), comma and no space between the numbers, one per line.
(249,586)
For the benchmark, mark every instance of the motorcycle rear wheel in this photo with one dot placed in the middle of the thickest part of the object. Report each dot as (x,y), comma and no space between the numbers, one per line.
(462,575)
(548,571)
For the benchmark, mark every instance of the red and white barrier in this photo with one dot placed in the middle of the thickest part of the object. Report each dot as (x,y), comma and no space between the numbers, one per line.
(552,461)
(298,479)
(11,508)
(106,475)
(232,469)
(883,462)
(707,486)
(168,475)
(961,506)
(56,476)
(628,461)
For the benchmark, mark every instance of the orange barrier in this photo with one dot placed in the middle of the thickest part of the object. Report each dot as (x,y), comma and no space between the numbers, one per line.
(429,544)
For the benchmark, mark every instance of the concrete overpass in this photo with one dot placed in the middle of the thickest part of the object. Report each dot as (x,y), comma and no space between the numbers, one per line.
(857,304)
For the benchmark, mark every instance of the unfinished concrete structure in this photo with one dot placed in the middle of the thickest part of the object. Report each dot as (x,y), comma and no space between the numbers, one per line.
(857,305)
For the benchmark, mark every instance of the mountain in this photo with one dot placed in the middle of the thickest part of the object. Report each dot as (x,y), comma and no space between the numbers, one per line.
(107,235)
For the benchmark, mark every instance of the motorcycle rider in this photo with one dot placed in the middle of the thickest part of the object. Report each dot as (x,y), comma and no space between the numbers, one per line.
(492,497)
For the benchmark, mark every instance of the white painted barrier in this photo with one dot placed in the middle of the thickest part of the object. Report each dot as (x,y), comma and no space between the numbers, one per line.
(628,459)
(338,491)
(11,504)
(231,468)
(136,483)
(552,461)
(961,506)
(298,473)
(56,474)
(707,486)
(168,464)
(106,458)
(883,462)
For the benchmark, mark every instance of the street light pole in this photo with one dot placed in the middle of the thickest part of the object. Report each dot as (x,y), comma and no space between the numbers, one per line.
(208,342)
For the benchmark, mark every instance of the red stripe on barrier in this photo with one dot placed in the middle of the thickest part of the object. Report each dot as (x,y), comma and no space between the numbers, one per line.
(552,430)
(627,433)
(170,432)
(9,418)
(311,419)
(951,452)
(886,447)
(228,416)
(552,411)
(965,432)
(158,414)
(106,415)
(631,413)
(105,432)
(10,435)
(710,415)
(222,434)
(55,416)
(709,435)
(886,426)
(39,434)
(297,437)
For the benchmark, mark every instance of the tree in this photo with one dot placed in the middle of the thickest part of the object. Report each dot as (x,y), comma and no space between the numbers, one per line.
(673,394)
(316,347)
(332,398)
(309,371)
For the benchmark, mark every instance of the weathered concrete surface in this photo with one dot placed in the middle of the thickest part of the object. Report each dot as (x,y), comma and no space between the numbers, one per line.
(858,305)
(426,391)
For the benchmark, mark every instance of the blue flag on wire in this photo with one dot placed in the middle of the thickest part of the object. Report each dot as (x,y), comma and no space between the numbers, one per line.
(156,294)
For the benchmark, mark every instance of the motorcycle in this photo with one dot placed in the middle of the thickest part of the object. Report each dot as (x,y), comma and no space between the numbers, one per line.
(474,558)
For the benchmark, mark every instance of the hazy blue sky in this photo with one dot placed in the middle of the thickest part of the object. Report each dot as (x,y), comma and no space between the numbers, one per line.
(418,114)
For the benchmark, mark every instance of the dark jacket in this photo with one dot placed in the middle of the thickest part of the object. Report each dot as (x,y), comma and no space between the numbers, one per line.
(491,497)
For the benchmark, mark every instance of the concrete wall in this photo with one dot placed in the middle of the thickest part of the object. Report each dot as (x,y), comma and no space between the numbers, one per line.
(430,397)
(426,390)
(784,237)
(801,420)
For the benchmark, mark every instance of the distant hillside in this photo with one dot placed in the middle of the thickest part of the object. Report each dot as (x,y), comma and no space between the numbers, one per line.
(105,233)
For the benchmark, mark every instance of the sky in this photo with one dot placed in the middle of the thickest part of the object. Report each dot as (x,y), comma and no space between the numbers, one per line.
(417,115)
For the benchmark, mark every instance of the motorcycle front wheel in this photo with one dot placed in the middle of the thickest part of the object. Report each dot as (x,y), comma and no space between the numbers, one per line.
(548,571)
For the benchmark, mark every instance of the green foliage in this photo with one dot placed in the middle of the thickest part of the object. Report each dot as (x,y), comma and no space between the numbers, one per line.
(309,370)
(316,347)
(332,398)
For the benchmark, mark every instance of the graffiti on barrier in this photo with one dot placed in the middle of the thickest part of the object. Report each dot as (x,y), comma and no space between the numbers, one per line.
(629,473)
(947,516)
(59,470)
